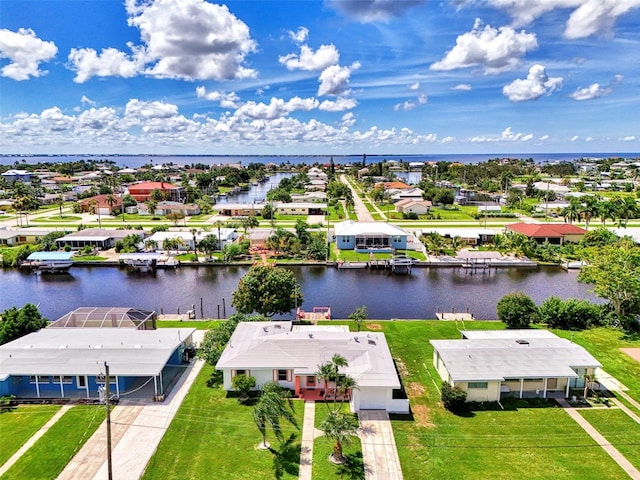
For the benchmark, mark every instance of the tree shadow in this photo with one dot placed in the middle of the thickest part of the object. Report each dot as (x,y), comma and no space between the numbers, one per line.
(353,468)
(287,458)
(630,336)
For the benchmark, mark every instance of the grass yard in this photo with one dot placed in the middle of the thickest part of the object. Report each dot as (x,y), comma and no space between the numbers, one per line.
(19,424)
(51,453)
(198,325)
(522,442)
(213,436)
(324,469)
(605,345)
(619,430)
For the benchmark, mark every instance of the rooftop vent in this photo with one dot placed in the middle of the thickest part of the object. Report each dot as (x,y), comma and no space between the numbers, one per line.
(522,342)
(357,340)
(371,342)
(311,335)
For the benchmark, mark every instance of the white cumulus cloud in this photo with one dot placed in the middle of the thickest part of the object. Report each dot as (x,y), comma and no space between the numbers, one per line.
(226,100)
(276,108)
(494,49)
(300,36)
(140,109)
(339,105)
(181,39)
(322,58)
(334,80)
(464,87)
(589,93)
(25,52)
(536,84)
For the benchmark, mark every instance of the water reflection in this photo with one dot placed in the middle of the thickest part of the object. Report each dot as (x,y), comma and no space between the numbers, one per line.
(418,295)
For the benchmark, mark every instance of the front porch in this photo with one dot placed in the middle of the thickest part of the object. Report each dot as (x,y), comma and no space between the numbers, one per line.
(308,387)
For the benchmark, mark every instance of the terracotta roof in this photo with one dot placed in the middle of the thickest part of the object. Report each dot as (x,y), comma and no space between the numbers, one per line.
(536,230)
(102,201)
(152,186)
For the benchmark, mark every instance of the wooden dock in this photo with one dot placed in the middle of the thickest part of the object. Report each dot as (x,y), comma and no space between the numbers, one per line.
(454,316)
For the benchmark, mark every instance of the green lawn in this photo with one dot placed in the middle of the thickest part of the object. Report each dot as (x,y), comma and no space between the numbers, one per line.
(213,436)
(493,443)
(51,453)
(89,258)
(198,325)
(323,447)
(19,424)
(619,430)
(605,345)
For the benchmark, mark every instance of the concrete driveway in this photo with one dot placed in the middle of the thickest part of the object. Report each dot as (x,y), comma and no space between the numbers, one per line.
(379,452)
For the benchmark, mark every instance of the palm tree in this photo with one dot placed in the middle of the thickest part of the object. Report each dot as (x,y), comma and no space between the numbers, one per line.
(218,224)
(572,212)
(96,209)
(194,232)
(589,210)
(269,410)
(339,427)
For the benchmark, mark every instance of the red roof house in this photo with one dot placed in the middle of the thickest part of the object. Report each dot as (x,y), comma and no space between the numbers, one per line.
(142,191)
(555,233)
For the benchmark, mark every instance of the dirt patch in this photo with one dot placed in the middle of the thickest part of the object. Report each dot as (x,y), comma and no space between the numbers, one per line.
(402,368)
(633,353)
(414,389)
(374,326)
(422,415)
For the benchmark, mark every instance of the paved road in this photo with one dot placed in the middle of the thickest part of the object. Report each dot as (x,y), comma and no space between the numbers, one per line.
(359,206)
(379,451)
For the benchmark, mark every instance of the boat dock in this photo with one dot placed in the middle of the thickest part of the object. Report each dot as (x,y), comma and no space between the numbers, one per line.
(454,316)
(314,316)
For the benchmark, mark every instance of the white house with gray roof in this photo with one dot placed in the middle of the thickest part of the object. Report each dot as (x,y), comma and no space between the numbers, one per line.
(524,363)
(291,356)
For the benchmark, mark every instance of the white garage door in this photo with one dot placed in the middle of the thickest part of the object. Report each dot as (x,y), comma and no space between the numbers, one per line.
(373,399)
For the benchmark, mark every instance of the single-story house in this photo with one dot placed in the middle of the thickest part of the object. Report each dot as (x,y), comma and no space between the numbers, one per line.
(70,362)
(469,236)
(14,175)
(239,209)
(291,356)
(396,185)
(101,238)
(408,205)
(167,207)
(142,191)
(258,237)
(554,233)
(101,204)
(315,197)
(316,186)
(53,198)
(369,236)
(488,364)
(300,208)
(21,236)
(314,173)
(411,193)
(185,238)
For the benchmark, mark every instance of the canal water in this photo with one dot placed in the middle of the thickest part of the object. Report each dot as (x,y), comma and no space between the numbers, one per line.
(419,295)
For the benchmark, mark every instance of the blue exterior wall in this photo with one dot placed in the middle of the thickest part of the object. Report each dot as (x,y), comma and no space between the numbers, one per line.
(348,242)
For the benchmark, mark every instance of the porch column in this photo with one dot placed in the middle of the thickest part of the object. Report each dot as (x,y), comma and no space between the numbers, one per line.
(117,386)
(521,386)
(566,395)
(544,395)
(161,385)
(61,388)
(155,385)
(37,387)
(297,385)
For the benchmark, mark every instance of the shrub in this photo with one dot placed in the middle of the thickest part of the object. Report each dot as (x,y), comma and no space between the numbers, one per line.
(517,310)
(572,314)
(243,384)
(454,399)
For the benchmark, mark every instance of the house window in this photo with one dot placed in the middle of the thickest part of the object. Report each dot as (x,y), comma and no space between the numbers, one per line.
(240,372)
(65,379)
(477,384)
(534,380)
(41,379)
(397,239)
(311,381)
(82,381)
(282,375)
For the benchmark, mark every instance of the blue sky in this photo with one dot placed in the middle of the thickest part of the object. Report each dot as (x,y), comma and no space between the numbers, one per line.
(319,77)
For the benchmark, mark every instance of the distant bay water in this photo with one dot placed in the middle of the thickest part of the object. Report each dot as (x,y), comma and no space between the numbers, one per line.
(136,161)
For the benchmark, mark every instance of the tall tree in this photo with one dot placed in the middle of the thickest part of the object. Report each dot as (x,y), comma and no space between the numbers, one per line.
(269,411)
(19,322)
(517,310)
(267,290)
(359,315)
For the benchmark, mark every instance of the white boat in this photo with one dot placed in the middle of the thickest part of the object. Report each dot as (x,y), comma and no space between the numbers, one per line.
(49,262)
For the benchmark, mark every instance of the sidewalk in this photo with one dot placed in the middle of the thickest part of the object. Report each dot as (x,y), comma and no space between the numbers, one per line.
(600,440)
(29,443)
(308,435)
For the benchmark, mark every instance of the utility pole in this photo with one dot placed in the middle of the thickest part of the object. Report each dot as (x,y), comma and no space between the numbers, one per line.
(107,405)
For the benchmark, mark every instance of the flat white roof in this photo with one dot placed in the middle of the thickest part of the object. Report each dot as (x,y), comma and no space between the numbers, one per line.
(256,345)
(83,351)
(349,227)
(488,357)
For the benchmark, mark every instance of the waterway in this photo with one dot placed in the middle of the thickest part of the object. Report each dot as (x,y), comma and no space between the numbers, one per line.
(386,296)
